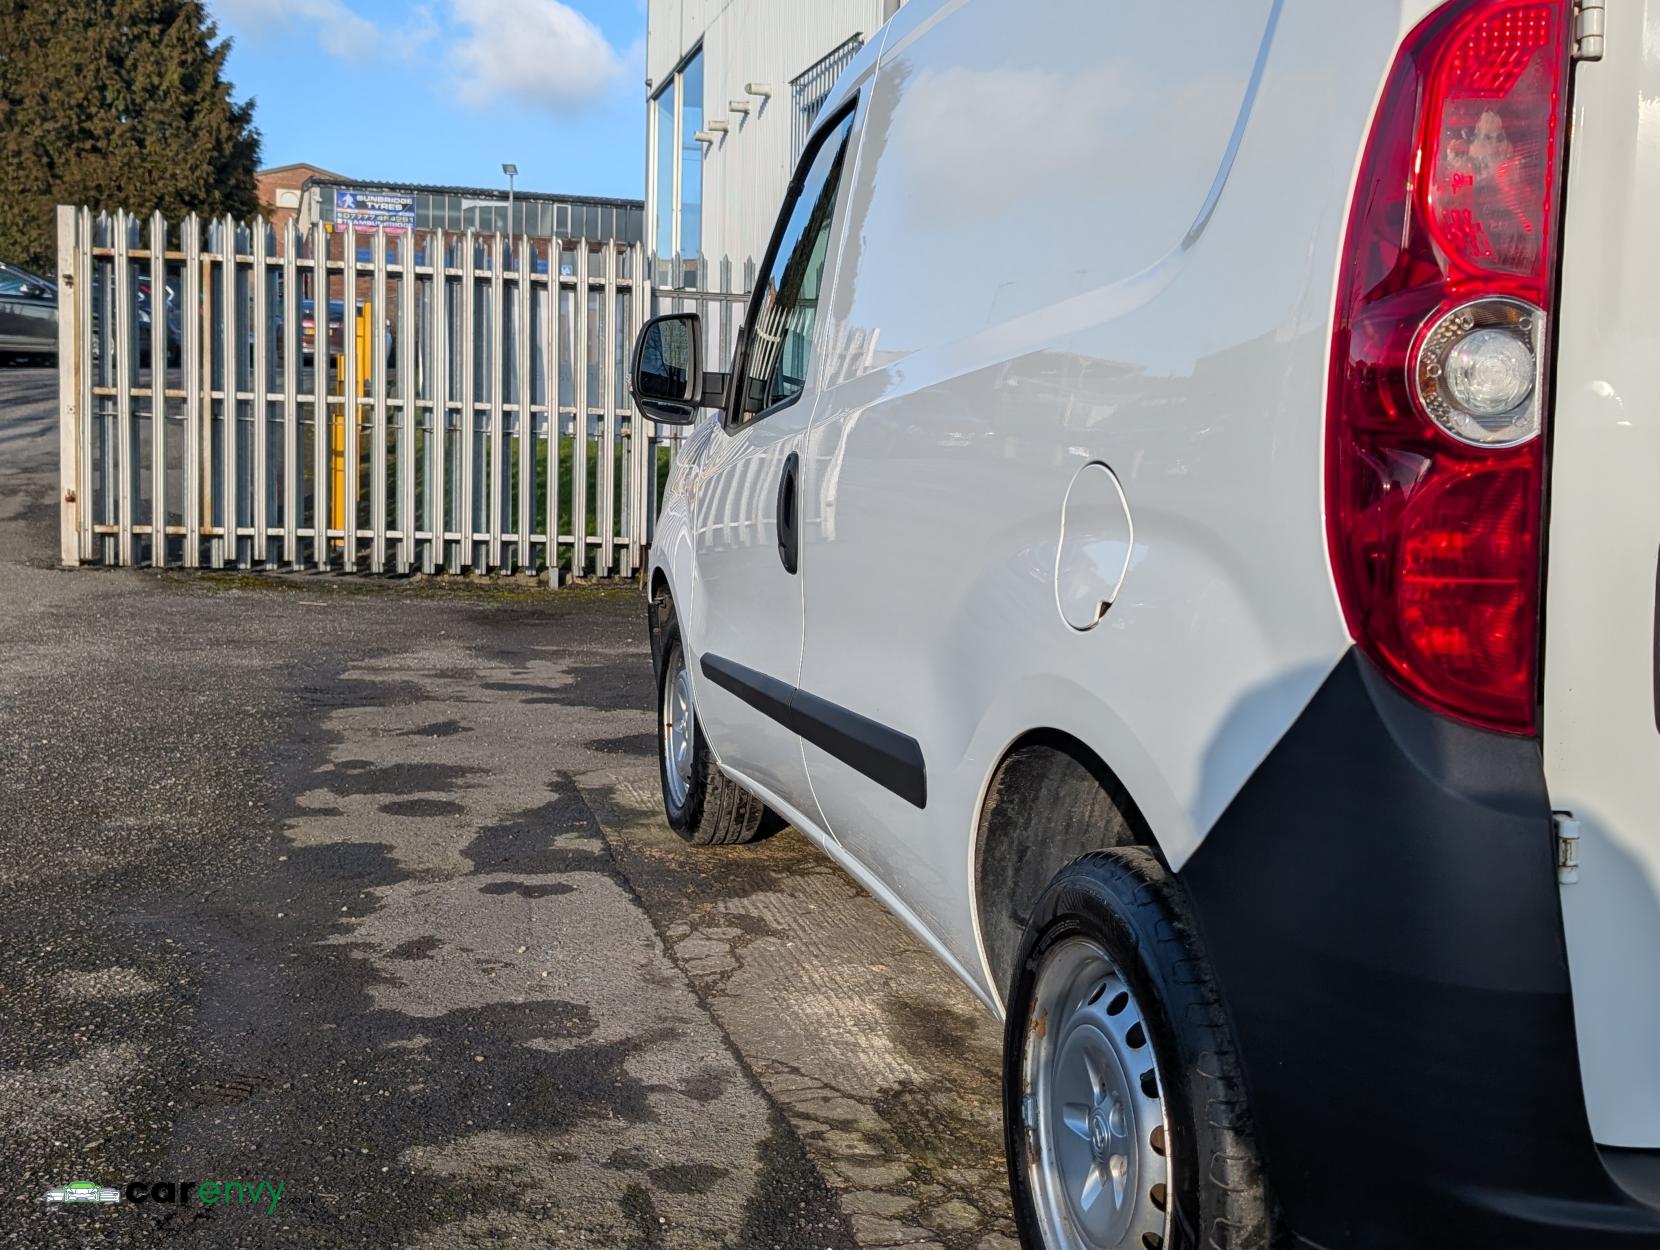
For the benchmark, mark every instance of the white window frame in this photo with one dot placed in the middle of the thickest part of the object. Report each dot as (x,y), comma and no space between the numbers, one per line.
(673,82)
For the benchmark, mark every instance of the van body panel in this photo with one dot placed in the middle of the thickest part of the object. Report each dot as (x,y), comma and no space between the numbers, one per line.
(984,346)
(1602,744)
(748,608)
(1061,245)
(747,605)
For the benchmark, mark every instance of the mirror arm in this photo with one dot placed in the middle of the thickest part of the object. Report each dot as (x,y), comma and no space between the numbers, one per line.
(714,390)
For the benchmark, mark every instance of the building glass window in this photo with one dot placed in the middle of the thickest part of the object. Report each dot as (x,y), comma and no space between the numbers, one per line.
(662,234)
(691,168)
(677,174)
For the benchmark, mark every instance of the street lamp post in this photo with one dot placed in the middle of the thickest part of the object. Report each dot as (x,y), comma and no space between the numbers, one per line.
(512,172)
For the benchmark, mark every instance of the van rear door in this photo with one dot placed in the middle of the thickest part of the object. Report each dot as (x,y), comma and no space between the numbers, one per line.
(1602,688)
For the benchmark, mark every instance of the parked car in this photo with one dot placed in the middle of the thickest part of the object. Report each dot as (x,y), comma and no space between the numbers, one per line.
(144,310)
(1181,531)
(336,330)
(28,313)
(308,327)
(29,317)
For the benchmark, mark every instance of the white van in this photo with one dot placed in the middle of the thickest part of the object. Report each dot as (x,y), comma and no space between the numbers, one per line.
(1182,530)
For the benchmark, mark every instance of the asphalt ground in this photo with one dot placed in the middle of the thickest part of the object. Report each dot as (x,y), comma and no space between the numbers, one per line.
(363,887)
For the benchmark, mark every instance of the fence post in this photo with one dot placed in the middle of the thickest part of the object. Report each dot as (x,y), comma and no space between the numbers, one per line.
(70,366)
(259,383)
(373,328)
(552,330)
(407,348)
(607,510)
(639,442)
(469,414)
(194,375)
(494,464)
(158,390)
(290,343)
(322,416)
(524,351)
(229,547)
(350,404)
(438,253)
(126,377)
(579,426)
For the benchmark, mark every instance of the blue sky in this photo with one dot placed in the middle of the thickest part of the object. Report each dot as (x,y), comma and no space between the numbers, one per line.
(445,91)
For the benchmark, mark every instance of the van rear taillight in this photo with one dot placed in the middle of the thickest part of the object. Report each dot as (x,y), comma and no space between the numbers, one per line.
(1435,464)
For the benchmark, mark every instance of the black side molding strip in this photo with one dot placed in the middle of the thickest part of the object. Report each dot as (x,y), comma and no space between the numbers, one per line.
(889,758)
(765,694)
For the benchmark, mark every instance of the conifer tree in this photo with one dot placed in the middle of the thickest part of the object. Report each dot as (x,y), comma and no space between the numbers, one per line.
(115,104)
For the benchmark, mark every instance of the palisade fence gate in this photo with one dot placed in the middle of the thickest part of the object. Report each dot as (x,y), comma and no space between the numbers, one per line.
(232,396)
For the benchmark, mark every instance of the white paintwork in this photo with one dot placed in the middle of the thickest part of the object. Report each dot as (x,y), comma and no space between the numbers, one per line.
(991,383)
(747,607)
(1056,250)
(1602,750)
(878,889)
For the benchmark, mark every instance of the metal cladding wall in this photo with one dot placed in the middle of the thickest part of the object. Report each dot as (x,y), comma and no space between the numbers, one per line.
(773,42)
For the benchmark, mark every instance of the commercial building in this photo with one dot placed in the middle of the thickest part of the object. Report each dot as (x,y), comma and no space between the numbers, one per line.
(733,87)
(542,214)
(282,188)
(309,194)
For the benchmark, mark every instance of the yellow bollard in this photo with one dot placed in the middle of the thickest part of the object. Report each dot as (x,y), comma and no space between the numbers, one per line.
(365,318)
(337,430)
(337,455)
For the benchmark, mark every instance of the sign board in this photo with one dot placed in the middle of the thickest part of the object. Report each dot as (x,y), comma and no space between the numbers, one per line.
(373,210)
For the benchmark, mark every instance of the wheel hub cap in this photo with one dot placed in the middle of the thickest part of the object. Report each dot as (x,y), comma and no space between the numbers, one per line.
(1094,1119)
(679,730)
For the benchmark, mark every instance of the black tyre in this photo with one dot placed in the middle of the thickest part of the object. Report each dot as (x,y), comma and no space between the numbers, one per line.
(1124,1113)
(703,804)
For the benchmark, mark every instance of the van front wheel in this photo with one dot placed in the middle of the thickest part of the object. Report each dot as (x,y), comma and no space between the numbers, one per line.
(1124,1114)
(703,805)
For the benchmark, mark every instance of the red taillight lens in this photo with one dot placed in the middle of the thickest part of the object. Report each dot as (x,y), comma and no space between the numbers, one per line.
(1491,148)
(1435,534)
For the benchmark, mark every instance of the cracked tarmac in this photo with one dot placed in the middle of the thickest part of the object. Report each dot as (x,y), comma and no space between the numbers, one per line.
(367,888)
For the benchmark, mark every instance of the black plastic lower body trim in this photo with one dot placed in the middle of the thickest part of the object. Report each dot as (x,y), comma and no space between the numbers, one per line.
(889,758)
(1381,906)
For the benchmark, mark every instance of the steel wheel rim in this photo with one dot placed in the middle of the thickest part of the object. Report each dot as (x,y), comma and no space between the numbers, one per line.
(1096,1130)
(679,729)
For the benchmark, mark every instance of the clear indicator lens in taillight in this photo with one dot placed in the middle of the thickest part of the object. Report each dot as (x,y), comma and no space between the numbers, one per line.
(1477,371)
(1439,389)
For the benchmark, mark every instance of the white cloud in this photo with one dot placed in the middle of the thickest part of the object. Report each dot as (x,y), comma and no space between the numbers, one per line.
(340,30)
(537,52)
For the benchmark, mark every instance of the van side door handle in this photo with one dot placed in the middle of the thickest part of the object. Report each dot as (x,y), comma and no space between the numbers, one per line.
(789,537)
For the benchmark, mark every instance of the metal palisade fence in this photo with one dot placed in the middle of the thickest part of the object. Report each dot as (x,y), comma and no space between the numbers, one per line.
(716,290)
(236,396)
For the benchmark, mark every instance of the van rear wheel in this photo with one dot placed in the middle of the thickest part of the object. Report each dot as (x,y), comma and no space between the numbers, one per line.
(1124,1112)
(703,805)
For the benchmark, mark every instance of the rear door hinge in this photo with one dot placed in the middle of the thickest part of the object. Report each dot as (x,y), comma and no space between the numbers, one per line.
(1567,848)
(1588,15)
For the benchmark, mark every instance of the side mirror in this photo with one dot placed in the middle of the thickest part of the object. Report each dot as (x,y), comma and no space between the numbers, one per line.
(667,378)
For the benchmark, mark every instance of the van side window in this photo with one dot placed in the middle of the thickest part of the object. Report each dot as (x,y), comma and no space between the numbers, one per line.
(776,356)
